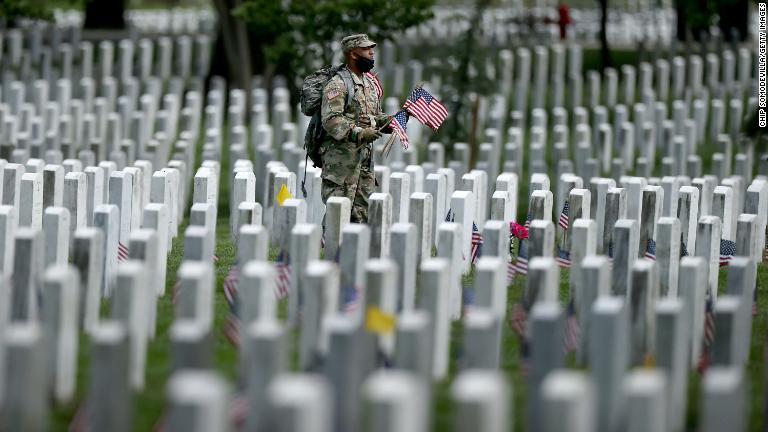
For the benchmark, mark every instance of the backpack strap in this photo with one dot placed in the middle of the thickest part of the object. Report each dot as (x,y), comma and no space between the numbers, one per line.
(346,76)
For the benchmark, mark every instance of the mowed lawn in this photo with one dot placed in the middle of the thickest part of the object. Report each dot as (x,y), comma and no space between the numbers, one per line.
(150,403)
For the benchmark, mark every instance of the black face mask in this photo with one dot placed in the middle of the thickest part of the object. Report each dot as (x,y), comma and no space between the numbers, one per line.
(364,64)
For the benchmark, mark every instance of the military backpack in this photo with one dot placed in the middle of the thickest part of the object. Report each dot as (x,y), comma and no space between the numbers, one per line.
(311,101)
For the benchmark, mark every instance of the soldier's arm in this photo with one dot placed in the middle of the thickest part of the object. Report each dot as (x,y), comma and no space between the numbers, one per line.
(332,110)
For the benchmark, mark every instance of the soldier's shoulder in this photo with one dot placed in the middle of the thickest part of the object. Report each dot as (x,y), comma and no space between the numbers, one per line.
(335,83)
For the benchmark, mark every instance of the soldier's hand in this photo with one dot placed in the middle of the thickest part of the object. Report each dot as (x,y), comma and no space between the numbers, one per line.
(367,135)
(387,121)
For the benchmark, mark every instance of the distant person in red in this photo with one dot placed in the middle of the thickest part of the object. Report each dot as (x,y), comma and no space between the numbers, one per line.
(564,19)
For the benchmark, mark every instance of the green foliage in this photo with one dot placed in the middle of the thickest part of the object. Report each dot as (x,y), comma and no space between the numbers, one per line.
(14,10)
(300,32)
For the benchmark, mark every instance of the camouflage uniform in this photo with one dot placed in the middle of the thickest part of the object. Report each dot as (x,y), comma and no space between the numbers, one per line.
(347,165)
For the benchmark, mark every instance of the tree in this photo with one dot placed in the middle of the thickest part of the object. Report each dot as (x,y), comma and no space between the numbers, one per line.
(290,38)
(605,52)
(11,11)
(104,14)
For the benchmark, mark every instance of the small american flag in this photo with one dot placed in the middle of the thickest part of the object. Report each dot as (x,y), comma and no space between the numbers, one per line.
(563,221)
(727,250)
(426,108)
(572,329)
(650,249)
(376,83)
(709,322)
(230,284)
(399,125)
(283,281)
(563,258)
(683,248)
(511,270)
(350,299)
(477,243)
(518,319)
(521,263)
(528,222)
(122,252)
(450,217)
(232,329)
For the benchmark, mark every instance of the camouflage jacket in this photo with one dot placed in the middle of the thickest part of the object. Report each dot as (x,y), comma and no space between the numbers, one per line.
(363,111)
(342,155)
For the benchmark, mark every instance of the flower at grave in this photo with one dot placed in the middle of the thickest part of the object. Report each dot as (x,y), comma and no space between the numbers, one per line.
(378,321)
(518,231)
(283,195)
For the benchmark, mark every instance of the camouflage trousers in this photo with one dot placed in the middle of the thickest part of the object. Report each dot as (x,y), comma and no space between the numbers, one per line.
(356,184)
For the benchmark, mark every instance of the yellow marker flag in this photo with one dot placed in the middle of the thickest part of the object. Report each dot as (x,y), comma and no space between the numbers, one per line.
(283,194)
(378,321)
(649,361)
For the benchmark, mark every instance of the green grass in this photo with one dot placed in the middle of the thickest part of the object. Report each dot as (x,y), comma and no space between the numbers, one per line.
(150,402)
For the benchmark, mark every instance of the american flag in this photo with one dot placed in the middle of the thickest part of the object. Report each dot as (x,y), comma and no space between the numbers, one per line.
(230,284)
(450,217)
(563,258)
(283,281)
(511,270)
(683,248)
(350,297)
(122,252)
(528,221)
(399,124)
(232,329)
(426,108)
(521,263)
(572,329)
(232,322)
(727,250)
(518,319)
(477,243)
(376,83)
(563,221)
(709,322)
(650,249)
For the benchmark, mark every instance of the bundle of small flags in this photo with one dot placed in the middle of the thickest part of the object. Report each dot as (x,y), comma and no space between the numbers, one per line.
(727,250)
(424,107)
(284,275)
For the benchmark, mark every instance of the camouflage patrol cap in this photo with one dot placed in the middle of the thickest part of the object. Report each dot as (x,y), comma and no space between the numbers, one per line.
(359,40)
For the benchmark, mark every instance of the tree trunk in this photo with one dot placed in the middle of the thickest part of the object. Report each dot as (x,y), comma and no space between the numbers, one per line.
(605,53)
(232,55)
(104,14)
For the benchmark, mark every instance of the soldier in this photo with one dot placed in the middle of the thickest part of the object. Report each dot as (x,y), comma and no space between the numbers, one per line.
(352,127)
